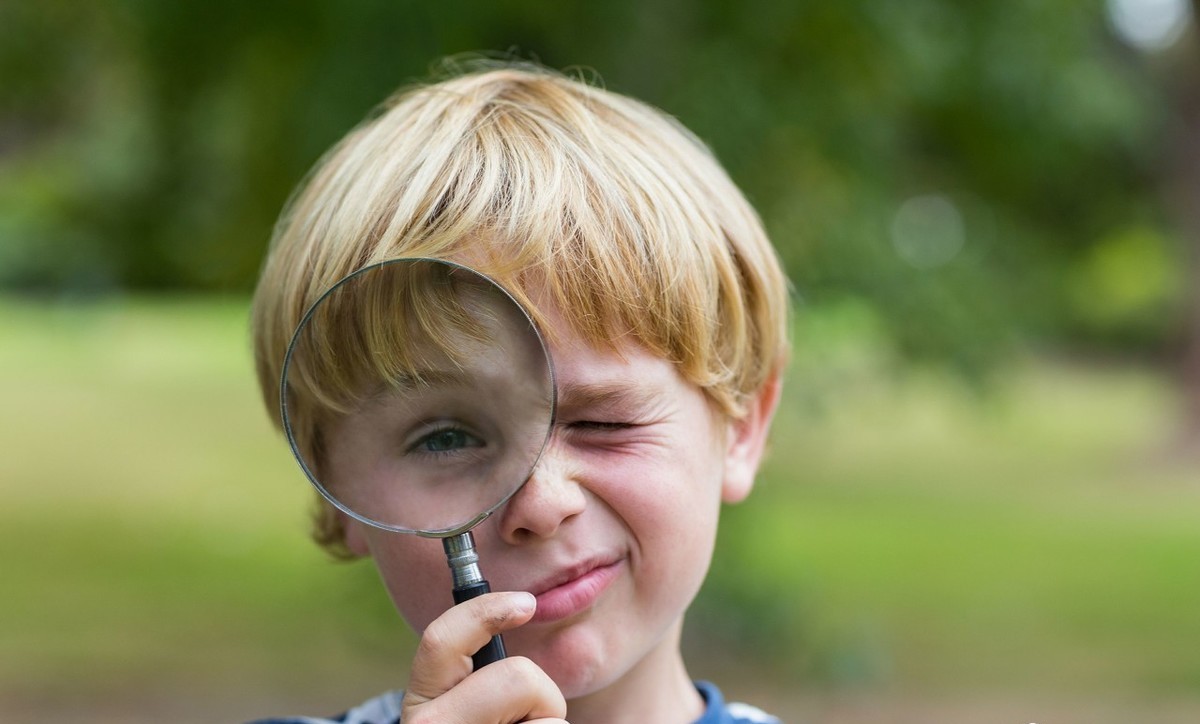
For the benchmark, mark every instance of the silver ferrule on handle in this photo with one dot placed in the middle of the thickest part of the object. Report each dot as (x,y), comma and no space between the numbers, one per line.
(462,559)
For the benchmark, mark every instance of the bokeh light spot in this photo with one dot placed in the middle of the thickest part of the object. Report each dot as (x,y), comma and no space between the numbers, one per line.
(928,231)
(1149,25)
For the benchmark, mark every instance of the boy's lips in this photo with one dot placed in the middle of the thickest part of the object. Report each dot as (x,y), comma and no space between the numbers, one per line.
(574,589)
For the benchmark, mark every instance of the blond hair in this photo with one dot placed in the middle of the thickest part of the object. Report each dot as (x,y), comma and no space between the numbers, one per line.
(609,209)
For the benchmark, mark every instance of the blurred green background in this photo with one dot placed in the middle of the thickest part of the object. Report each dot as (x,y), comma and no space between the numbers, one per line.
(983,495)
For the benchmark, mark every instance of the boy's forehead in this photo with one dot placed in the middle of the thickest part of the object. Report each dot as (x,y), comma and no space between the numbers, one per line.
(618,368)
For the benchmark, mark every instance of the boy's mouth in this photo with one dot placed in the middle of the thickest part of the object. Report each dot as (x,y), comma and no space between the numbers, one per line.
(574,589)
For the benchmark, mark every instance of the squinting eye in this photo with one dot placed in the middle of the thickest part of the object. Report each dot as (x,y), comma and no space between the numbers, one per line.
(596,425)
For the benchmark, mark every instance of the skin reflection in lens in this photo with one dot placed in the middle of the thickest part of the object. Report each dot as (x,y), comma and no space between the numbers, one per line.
(433,451)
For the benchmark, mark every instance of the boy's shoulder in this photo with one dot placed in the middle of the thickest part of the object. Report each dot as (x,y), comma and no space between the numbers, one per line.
(717,711)
(385,709)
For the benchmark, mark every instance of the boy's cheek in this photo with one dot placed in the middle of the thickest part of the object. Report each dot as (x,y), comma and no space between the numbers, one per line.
(413,570)
(415,574)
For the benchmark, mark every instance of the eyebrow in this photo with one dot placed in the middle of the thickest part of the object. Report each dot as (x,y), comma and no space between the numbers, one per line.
(407,383)
(607,394)
(432,378)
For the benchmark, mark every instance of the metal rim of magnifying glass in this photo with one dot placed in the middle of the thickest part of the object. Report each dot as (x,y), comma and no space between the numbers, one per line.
(291,437)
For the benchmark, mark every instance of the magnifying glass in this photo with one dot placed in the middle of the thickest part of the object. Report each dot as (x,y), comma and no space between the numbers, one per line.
(417,396)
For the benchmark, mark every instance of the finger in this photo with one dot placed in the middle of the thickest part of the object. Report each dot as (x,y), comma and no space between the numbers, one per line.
(443,658)
(512,690)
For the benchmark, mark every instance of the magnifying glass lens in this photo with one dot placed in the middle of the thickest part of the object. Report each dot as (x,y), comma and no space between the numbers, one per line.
(417,395)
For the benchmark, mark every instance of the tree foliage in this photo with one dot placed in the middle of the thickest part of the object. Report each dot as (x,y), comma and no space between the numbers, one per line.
(962,172)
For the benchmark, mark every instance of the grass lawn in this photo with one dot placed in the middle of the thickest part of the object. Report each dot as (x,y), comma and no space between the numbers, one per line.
(916,550)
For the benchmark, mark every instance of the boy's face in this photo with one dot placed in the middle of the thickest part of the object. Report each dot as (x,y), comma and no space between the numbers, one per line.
(615,529)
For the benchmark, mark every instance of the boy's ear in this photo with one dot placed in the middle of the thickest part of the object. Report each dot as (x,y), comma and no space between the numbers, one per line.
(747,439)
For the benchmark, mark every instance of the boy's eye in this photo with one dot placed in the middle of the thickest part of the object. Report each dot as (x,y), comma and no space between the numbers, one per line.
(600,426)
(445,440)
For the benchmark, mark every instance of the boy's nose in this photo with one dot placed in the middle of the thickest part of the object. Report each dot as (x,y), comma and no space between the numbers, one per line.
(549,498)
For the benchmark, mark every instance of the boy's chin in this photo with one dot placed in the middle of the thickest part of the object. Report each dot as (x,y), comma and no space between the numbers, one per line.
(584,661)
(581,679)
(577,665)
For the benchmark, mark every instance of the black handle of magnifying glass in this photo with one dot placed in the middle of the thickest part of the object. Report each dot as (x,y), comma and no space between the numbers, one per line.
(494,649)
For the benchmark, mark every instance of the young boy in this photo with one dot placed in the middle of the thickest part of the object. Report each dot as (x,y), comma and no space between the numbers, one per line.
(666,311)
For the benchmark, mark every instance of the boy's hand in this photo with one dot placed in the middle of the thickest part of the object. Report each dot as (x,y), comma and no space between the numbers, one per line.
(442,689)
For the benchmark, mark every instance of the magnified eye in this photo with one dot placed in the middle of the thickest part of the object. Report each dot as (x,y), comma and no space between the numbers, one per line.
(445,440)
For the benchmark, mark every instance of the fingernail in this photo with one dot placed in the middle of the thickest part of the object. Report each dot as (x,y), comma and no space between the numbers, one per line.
(524,602)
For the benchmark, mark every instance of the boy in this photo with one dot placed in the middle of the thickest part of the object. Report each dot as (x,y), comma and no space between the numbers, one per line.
(665,309)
